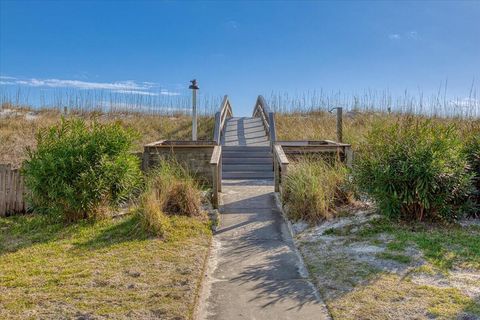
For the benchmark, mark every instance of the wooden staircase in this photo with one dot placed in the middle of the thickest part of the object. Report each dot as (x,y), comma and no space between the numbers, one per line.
(246,150)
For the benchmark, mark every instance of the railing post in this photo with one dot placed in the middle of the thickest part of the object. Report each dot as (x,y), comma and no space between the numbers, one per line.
(215,187)
(276,173)
(219,175)
(339,124)
(349,156)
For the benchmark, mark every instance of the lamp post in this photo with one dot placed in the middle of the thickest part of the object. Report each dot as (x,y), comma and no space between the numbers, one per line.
(194,88)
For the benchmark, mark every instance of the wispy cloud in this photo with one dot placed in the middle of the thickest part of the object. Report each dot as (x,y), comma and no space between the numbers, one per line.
(124,87)
(411,35)
(394,36)
(232,24)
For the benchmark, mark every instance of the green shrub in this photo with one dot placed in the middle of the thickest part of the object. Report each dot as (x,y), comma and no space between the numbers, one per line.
(313,189)
(170,191)
(80,170)
(472,154)
(415,170)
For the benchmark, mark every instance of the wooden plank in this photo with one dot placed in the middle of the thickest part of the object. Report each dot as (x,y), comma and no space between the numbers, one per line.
(8,175)
(21,194)
(2,190)
(217,152)
(19,191)
(280,155)
(12,191)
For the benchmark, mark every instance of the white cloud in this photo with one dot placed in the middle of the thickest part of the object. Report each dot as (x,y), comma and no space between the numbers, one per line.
(124,87)
(138,92)
(165,92)
(394,36)
(232,24)
(6,77)
(465,102)
(413,35)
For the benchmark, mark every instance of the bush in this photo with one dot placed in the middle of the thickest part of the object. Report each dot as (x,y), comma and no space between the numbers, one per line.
(472,154)
(415,170)
(170,191)
(314,188)
(80,170)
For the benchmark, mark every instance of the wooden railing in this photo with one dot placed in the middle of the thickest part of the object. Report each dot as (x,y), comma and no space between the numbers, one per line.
(263,111)
(221,116)
(280,166)
(216,165)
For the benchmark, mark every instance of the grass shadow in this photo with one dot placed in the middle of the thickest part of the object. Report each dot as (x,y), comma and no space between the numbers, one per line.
(128,229)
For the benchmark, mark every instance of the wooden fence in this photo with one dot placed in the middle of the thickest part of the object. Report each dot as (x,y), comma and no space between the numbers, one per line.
(12,191)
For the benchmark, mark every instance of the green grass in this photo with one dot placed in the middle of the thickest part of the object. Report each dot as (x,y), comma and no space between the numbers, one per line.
(394,256)
(313,189)
(388,296)
(445,247)
(105,268)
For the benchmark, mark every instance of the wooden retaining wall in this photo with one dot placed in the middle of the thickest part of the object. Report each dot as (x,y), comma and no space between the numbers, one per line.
(193,155)
(12,191)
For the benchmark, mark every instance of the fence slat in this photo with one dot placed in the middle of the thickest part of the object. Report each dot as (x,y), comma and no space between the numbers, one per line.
(12,189)
(2,190)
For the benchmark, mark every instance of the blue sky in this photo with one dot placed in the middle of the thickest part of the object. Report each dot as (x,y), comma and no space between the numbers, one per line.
(241,48)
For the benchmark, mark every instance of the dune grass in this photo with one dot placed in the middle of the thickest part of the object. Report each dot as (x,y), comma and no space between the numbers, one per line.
(320,125)
(313,190)
(18,129)
(109,268)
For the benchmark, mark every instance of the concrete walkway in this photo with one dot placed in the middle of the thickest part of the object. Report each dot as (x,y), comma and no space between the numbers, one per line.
(255,271)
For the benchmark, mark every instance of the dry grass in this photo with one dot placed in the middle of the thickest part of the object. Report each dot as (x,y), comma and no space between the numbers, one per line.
(322,125)
(373,268)
(313,189)
(170,191)
(18,129)
(388,296)
(96,270)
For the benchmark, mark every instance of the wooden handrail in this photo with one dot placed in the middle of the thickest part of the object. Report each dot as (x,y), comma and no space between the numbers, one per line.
(280,166)
(263,111)
(221,116)
(216,165)
(280,155)
(216,154)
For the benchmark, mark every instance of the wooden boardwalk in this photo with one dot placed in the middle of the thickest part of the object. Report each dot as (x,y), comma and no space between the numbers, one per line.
(246,150)
(255,272)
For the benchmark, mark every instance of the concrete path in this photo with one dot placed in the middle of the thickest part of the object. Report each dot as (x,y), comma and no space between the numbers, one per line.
(256,272)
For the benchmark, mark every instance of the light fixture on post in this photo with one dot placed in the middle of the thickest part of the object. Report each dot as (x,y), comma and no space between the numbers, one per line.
(194,88)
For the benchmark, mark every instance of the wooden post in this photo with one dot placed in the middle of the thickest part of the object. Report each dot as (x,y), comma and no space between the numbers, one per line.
(3,190)
(339,124)
(349,156)
(219,174)
(215,187)
(276,173)
(216,165)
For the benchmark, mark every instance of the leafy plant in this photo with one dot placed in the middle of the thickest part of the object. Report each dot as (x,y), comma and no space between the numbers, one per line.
(415,169)
(81,170)
(472,154)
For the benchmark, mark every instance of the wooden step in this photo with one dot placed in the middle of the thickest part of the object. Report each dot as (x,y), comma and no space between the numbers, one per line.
(248,175)
(265,160)
(247,167)
(246,155)
(246,149)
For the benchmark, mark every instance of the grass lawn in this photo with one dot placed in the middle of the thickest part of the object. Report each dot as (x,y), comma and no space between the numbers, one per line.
(104,269)
(373,268)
